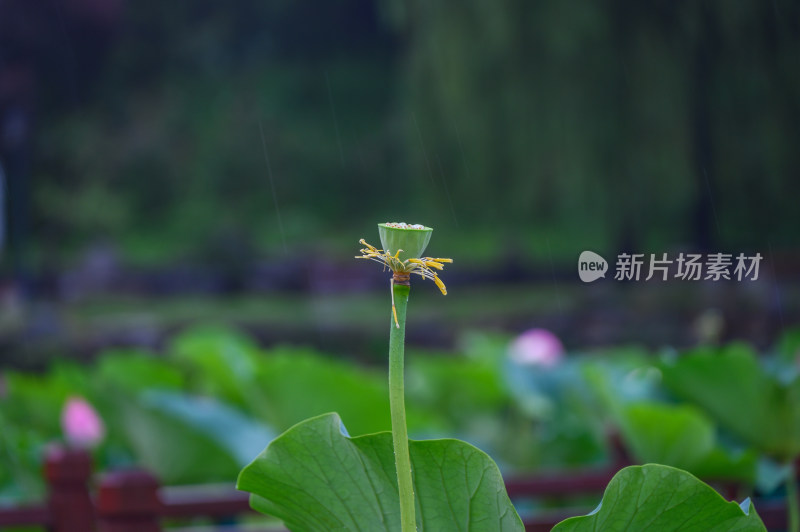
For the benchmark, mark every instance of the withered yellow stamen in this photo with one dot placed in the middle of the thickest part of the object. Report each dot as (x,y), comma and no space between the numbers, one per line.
(424,267)
(440,284)
(394,309)
(371,248)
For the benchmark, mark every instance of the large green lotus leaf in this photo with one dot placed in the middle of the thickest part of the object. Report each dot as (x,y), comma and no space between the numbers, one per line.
(658,497)
(731,386)
(317,479)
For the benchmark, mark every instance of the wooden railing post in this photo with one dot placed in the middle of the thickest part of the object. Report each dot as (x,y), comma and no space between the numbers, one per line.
(67,472)
(128,501)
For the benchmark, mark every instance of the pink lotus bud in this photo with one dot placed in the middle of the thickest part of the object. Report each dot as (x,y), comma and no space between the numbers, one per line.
(81,425)
(536,347)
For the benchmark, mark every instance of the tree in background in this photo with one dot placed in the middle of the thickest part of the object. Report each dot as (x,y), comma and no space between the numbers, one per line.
(559,126)
(622,125)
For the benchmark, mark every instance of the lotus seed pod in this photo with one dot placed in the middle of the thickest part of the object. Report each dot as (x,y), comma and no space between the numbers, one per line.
(411,239)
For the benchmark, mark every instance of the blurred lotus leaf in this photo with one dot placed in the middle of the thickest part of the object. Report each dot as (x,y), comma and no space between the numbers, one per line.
(732,386)
(657,431)
(681,436)
(187,439)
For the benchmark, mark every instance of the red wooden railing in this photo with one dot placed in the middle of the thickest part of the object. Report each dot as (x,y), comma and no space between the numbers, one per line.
(133,500)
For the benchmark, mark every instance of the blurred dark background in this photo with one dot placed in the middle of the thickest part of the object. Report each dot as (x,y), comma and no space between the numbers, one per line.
(166,163)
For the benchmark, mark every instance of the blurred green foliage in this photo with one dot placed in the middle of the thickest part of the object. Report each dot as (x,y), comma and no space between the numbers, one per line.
(201,410)
(608,124)
(512,127)
(760,406)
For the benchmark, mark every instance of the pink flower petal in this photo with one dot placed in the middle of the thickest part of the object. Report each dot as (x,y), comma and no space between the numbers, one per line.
(81,425)
(536,347)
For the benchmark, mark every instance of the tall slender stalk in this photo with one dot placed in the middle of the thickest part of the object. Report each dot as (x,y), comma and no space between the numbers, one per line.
(397,338)
(791,499)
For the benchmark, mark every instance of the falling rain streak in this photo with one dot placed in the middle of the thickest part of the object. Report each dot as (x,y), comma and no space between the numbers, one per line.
(272,186)
(430,169)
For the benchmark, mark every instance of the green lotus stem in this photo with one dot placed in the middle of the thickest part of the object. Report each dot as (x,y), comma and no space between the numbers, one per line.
(791,499)
(410,241)
(397,405)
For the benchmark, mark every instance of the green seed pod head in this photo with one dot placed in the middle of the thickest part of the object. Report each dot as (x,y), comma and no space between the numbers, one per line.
(412,239)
